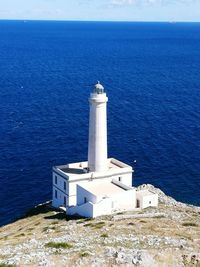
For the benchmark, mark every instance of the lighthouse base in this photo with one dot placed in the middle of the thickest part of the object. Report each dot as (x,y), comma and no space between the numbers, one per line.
(91,194)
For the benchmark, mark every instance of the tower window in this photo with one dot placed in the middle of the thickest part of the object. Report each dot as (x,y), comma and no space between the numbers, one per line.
(85,200)
(64,185)
(56,194)
(120,179)
(64,201)
(56,179)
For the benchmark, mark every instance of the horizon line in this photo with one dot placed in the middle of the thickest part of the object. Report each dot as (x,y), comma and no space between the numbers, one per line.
(82,20)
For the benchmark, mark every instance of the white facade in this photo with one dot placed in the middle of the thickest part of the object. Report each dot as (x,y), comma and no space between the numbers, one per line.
(146,198)
(97,145)
(103,198)
(100,185)
(76,174)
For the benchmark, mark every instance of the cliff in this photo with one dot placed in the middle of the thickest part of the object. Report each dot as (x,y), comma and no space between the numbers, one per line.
(165,236)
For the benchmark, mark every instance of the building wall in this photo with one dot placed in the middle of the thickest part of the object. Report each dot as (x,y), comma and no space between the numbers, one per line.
(124,178)
(124,200)
(61,189)
(71,187)
(84,196)
(104,207)
(150,201)
(144,201)
(59,200)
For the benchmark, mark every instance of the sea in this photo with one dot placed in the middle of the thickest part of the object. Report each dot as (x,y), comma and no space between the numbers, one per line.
(151,74)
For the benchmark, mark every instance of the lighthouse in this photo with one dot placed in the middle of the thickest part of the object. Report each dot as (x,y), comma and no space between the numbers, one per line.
(97,143)
(100,185)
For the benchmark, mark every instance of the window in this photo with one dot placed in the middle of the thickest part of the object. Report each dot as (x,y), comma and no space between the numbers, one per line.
(64,185)
(65,201)
(85,200)
(56,179)
(56,194)
(149,202)
(120,179)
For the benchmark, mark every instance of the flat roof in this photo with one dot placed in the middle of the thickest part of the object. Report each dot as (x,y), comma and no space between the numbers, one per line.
(80,168)
(145,192)
(102,188)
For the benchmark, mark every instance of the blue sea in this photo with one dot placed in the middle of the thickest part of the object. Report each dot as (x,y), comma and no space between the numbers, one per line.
(151,73)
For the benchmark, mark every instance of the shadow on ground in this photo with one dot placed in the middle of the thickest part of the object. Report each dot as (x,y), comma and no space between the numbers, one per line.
(46,208)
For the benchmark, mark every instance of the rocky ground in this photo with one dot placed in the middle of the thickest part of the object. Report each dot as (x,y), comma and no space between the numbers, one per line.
(165,236)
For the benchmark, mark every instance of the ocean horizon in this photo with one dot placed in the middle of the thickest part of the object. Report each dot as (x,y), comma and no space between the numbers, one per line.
(150,71)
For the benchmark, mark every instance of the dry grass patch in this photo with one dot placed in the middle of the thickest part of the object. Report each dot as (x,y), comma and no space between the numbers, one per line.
(105,235)
(97,225)
(7,265)
(64,245)
(84,254)
(190,224)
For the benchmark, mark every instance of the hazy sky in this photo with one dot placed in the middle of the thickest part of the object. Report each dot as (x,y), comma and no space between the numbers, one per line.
(129,10)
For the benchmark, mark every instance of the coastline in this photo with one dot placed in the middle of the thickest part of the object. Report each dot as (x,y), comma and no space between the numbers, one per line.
(160,236)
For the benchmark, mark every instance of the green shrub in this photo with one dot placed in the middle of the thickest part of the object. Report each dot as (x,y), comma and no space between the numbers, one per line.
(58,245)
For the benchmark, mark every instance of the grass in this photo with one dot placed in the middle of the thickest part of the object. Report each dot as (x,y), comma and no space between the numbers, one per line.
(142,221)
(104,235)
(159,217)
(59,245)
(189,224)
(120,213)
(56,222)
(7,265)
(97,225)
(84,254)
(131,223)
(22,234)
(83,220)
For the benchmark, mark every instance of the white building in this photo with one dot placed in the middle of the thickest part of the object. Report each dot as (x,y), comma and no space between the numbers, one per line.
(100,185)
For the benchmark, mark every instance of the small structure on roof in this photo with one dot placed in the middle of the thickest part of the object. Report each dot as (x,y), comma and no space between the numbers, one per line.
(101,185)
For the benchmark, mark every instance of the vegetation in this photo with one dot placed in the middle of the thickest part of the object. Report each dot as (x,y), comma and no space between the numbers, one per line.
(97,225)
(131,223)
(190,224)
(22,234)
(104,235)
(159,216)
(142,221)
(84,254)
(7,265)
(59,245)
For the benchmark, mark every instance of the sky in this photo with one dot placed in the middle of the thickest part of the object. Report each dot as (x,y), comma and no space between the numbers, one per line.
(103,10)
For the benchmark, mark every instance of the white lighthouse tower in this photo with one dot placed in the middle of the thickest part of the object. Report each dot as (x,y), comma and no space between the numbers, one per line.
(100,185)
(97,145)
